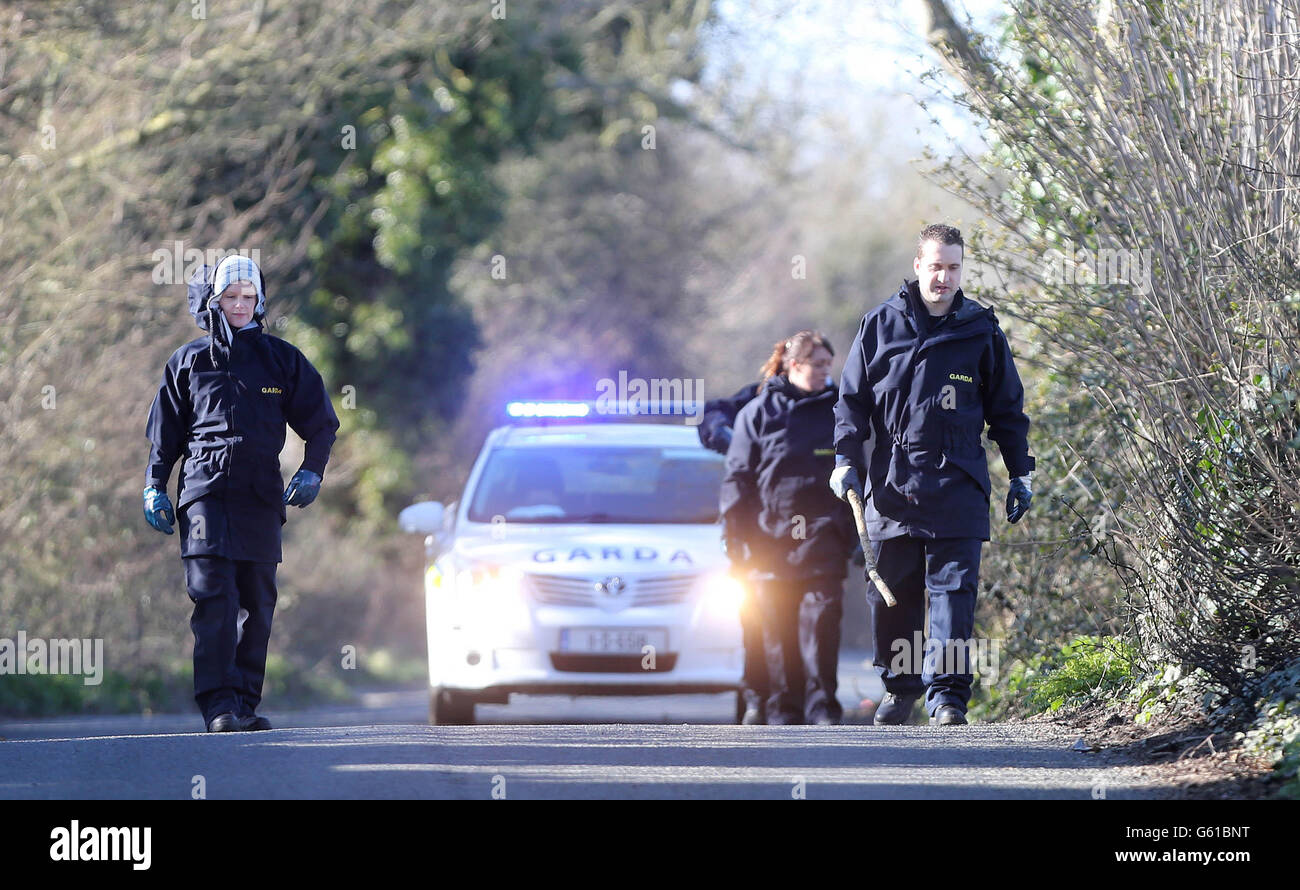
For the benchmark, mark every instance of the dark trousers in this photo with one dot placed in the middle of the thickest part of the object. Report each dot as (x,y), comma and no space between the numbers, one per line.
(937,665)
(229,668)
(801,637)
(753,683)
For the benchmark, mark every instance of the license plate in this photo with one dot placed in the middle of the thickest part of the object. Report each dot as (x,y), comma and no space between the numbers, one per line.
(612,640)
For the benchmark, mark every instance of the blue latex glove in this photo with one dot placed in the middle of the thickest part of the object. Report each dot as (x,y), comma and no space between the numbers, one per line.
(303,488)
(158,510)
(842,479)
(1019,498)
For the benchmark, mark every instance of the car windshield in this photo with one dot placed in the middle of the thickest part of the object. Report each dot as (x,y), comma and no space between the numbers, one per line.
(607,484)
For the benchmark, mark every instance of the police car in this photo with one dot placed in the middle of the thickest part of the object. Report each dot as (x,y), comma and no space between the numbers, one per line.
(581,559)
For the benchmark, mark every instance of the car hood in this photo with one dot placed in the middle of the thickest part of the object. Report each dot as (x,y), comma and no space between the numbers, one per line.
(583,550)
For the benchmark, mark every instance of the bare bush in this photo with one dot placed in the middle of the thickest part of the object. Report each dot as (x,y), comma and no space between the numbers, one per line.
(1149,227)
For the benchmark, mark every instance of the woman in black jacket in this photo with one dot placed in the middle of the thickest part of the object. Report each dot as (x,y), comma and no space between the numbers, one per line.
(783,523)
(222,409)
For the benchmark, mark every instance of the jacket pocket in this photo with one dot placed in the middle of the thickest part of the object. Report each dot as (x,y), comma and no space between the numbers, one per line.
(962,438)
(976,468)
(824,551)
(269,487)
(781,506)
(200,474)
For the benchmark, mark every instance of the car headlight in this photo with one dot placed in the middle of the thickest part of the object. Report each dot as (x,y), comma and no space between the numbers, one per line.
(485,594)
(484,582)
(724,595)
(474,581)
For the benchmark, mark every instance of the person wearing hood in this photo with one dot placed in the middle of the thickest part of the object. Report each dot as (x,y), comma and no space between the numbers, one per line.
(781,522)
(928,370)
(222,410)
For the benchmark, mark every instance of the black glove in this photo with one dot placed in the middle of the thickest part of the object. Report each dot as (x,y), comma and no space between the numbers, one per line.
(857,557)
(1019,498)
(722,438)
(717,439)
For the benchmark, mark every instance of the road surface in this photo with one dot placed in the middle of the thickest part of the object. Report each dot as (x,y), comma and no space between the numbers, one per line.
(547,747)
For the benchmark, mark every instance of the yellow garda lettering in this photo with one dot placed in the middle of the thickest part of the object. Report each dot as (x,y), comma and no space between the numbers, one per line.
(962,377)
(823,452)
(272,390)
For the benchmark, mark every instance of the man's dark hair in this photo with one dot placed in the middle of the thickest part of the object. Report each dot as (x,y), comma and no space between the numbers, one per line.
(941,232)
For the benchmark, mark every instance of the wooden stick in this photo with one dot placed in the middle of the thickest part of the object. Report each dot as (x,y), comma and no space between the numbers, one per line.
(855,502)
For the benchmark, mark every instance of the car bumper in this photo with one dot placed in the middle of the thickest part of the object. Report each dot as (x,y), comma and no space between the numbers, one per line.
(508,670)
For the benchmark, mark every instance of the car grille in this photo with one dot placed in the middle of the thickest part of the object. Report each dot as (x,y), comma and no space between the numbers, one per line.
(647,590)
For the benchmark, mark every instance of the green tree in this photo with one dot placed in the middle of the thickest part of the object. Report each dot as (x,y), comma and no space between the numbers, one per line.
(122,133)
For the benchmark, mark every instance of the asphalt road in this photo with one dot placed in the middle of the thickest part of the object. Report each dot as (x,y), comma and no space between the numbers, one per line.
(857,681)
(546,747)
(616,761)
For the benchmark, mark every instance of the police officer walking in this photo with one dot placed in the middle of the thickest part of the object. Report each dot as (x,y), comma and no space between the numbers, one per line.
(222,407)
(928,369)
(781,522)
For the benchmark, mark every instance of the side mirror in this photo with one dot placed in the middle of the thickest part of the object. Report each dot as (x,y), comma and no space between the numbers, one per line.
(422,518)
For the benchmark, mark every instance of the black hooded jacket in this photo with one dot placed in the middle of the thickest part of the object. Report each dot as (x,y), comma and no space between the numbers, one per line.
(916,393)
(223,408)
(776,493)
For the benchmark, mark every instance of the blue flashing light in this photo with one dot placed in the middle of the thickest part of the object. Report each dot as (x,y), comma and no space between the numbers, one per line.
(548,409)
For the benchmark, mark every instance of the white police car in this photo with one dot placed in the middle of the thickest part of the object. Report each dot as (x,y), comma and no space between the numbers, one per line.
(581,560)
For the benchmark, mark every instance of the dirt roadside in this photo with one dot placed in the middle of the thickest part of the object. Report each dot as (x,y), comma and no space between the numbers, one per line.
(1182,751)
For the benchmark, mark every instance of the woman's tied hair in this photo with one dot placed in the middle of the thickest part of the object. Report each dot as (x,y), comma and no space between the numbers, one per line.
(796,348)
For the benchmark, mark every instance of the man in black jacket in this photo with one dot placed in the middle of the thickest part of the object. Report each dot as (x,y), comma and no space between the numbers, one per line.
(223,405)
(927,370)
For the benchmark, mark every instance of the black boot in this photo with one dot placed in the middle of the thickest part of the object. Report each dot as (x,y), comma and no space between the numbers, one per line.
(895,710)
(227,722)
(949,715)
